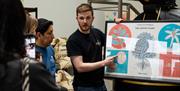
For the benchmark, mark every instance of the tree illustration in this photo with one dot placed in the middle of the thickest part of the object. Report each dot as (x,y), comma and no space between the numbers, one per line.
(141,48)
(173,35)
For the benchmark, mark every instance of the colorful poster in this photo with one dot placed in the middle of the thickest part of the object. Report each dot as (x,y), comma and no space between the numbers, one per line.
(145,50)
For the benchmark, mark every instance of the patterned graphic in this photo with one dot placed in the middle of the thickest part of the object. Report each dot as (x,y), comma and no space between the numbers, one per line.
(141,48)
(145,50)
(170,34)
(118,43)
(170,70)
(121,60)
(119,30)
(121,57)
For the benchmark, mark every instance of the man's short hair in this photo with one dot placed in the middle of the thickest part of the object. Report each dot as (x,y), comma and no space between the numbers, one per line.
(84,8)
(43,25)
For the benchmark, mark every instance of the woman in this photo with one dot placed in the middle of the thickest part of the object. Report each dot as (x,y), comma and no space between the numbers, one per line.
(12,50)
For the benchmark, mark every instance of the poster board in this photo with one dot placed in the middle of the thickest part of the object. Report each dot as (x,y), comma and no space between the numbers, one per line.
(145,50)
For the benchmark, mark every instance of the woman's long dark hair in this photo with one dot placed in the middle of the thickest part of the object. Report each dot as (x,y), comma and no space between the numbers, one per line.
(12,23)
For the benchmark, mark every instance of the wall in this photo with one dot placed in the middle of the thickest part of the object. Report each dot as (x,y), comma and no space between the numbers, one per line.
(61,12)
(99,21)
(178,3)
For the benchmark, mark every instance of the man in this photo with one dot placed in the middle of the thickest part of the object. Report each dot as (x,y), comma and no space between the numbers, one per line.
(44,37)
(84,47)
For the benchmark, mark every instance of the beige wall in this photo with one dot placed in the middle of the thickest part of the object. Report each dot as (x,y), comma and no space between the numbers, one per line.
(99,21)
(61,12)
(178,3)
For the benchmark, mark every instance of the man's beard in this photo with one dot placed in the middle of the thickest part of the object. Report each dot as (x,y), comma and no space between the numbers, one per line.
(85,28)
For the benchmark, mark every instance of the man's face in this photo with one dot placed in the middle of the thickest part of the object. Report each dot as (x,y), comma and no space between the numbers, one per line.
(48,36)
(85,20)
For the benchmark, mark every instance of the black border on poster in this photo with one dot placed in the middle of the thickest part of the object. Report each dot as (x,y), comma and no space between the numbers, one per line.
(137,78)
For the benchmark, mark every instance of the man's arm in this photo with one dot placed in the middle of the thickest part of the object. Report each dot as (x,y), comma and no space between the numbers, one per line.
(86,67)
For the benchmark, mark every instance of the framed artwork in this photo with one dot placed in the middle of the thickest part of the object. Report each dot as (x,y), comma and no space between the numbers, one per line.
(144,50)
(32,11)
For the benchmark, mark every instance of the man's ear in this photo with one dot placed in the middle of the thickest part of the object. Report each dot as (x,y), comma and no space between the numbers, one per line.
(38,35)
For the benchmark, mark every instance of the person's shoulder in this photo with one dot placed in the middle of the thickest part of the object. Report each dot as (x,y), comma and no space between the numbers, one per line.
(50,50)
(73,36)
(31,62)
(36,67)
(13,66)
(97,31)
(50,47)
(14,63)
(38,48)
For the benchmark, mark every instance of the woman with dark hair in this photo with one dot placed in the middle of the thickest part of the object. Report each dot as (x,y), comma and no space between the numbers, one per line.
(12,51)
